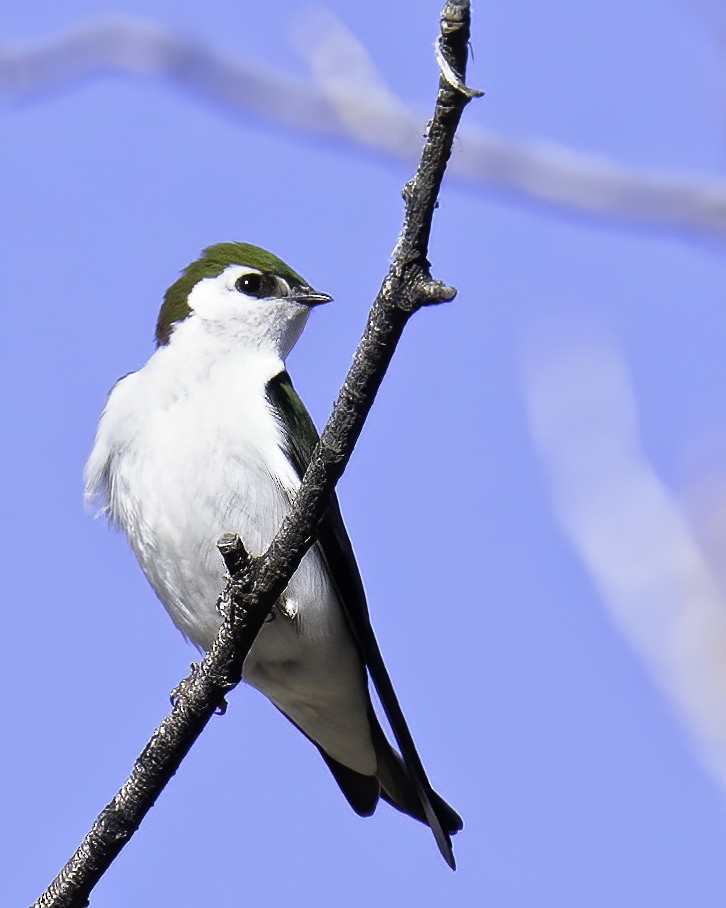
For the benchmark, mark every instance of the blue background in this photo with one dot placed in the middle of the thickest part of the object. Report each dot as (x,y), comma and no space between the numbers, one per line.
(534,716)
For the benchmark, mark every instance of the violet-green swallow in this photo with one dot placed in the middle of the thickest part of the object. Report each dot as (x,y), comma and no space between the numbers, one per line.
(210,437)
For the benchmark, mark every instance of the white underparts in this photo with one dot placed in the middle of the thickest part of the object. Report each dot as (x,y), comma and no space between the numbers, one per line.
(188,449)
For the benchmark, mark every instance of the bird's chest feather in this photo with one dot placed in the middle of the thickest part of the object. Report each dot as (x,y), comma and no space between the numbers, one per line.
(208,465)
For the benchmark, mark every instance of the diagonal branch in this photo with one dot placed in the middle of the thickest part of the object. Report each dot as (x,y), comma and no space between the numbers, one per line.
(253,590)
(352,106)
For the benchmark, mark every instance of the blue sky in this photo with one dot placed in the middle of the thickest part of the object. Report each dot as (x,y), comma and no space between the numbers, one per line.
(535,715)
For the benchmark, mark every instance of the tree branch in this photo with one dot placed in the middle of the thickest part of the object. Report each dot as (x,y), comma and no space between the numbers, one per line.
(258,582)
(354,107)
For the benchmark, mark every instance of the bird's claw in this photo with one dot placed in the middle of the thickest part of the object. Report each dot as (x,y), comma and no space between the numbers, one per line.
(182,687)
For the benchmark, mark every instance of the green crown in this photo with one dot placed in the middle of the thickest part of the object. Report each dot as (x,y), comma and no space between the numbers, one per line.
(213,261)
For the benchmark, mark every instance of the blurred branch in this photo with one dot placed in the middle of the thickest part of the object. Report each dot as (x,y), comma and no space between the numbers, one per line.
(258,582)
(348,101)
(631,533)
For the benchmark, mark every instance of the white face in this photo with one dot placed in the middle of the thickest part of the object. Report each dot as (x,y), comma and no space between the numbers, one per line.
(257,309)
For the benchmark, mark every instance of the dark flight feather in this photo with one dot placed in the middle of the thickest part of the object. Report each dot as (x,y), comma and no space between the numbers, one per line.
(403,781)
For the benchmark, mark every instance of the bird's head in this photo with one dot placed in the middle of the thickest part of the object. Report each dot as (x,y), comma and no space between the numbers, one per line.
(241,291)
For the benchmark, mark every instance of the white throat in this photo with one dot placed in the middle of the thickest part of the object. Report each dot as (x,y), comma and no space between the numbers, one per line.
(220,312)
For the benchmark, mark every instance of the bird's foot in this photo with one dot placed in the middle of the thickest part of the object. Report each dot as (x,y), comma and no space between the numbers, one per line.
(182,687)
(288,607)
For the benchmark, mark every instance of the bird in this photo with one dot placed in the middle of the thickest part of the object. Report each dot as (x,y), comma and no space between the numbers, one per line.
(210,437)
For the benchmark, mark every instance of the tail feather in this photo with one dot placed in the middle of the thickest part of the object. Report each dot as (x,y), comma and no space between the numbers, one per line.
(398,786)
(394,784)
(400,793)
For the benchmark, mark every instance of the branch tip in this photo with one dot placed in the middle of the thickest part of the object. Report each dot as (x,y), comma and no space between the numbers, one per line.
(236,556)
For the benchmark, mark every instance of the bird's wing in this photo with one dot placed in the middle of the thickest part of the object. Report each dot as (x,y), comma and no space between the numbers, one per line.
(301,437)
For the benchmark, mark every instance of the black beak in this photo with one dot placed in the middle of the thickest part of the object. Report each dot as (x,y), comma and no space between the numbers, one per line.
(309,297)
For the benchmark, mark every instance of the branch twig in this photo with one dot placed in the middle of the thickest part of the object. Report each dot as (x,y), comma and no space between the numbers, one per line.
(253,589)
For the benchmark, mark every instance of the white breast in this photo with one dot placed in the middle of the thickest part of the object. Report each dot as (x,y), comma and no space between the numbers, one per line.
(187,454)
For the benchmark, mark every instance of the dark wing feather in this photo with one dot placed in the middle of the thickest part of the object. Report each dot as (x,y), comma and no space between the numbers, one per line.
(400,781)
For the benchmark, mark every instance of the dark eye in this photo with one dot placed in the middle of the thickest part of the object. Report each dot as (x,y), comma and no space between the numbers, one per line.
(251,284)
